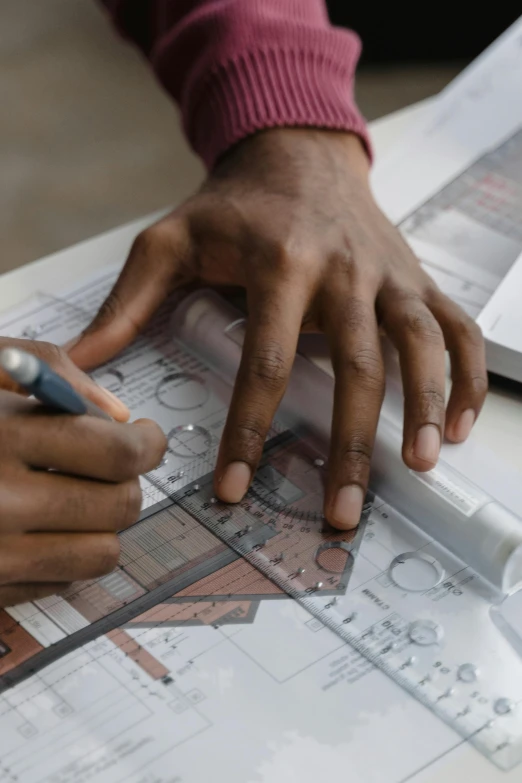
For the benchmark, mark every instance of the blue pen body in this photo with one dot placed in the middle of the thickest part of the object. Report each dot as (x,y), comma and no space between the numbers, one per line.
(53,390)
(38,379)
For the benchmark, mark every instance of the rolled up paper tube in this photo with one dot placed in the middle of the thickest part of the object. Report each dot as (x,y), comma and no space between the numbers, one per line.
(449,508)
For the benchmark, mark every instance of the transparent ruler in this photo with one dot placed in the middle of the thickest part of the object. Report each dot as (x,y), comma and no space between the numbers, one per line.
(405,620)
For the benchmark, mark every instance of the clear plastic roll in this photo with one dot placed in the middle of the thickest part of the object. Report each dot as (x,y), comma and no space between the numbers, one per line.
(449,508)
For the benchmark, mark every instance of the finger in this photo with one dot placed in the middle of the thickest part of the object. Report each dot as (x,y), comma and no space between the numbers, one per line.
(48,557)
(157,264)
(268,353)
(466,347)
(418,338)
(21,593)
(353,336)
(56,358)
(42,501)
(91,447)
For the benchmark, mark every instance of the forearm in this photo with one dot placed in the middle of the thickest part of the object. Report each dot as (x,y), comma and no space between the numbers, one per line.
(241,66)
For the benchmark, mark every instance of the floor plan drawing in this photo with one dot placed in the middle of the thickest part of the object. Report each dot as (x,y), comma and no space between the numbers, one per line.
(187,659)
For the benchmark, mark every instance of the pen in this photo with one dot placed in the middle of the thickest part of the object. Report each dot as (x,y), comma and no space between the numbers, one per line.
(38,379)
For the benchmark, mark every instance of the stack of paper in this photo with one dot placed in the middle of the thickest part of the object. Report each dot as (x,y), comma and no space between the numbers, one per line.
(454,188)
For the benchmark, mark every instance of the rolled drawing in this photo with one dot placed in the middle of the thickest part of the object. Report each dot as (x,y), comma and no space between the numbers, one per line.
(449,508)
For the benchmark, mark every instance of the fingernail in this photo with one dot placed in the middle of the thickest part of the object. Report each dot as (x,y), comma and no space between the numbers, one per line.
(464,425)
(427,444)
(116,403)
(234,483)
(348,506)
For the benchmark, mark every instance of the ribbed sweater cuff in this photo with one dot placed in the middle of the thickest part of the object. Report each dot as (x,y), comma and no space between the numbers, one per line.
(272,87)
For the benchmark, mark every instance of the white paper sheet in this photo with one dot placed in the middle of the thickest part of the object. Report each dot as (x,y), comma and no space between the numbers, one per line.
(454,185)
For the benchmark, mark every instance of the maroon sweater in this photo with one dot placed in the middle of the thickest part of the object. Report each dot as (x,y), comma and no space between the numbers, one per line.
(238,66)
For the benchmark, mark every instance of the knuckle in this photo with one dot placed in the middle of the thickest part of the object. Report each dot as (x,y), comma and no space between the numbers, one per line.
(52,354)
(354,314)
(268,367)
(107,312)
(478,386)
(366,367)
(468,331)
(356,451)
(431,397)
(421,325)
(278,256)
(342,263)
(129,504)
(283,259)
(248,439)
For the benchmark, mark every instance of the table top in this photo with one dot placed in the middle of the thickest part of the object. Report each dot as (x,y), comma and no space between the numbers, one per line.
(499,427)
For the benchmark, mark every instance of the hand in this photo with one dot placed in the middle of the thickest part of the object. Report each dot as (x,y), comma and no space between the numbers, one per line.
(289,215)
(57,358)
(60,526)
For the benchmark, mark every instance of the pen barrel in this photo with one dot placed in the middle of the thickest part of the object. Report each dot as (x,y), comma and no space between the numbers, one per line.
(449,508)
(56,392)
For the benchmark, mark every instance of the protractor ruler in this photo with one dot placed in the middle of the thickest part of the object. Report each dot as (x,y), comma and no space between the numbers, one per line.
(473,685)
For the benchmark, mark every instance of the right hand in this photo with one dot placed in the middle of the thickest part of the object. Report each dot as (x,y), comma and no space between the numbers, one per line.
(58,526)
(288,214)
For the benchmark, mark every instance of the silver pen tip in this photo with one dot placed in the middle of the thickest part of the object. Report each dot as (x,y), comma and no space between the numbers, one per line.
(22,367)
(11,359)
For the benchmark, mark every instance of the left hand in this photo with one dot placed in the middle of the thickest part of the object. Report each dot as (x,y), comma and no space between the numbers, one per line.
(68,484)
(58,359)
(289,215)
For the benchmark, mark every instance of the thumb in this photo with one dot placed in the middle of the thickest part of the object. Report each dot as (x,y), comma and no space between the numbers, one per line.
(59,361)
(157,264)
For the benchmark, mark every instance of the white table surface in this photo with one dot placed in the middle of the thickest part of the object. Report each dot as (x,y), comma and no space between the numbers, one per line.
(499,427)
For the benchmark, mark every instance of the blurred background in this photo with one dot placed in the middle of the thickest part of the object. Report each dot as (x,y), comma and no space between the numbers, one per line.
(89,141)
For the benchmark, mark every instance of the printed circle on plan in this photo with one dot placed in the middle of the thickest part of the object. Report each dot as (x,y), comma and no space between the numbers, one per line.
(189,440)
(181,391)
(112,380)
(334,556)
(415,572)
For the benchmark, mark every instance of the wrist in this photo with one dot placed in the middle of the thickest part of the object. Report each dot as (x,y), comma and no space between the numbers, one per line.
(281,149)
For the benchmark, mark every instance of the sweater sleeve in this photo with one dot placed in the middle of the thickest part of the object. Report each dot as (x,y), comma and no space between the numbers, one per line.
(236,67)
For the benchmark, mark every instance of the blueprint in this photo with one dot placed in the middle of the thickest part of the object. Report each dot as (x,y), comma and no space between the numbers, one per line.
(186,664)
